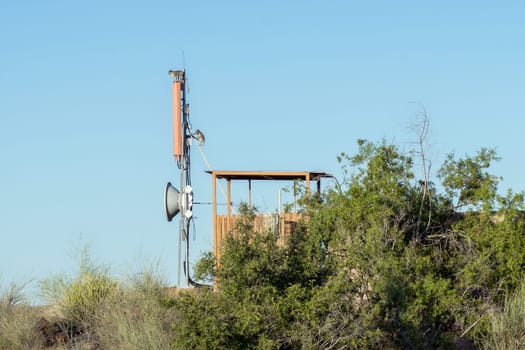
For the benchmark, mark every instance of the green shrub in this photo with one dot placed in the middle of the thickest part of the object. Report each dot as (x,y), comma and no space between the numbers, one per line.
(78,299)
(84,296)
(384,261)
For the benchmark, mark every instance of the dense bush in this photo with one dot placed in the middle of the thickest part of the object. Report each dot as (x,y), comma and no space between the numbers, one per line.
(385,261)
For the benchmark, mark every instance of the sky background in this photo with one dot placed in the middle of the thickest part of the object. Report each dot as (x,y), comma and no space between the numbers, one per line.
(85,107)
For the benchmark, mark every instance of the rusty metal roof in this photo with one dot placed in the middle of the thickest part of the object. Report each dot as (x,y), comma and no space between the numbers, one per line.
(268,175)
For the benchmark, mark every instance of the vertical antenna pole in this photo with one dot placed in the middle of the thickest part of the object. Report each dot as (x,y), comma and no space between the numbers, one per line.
(179,152)
(182,135)
(185,178)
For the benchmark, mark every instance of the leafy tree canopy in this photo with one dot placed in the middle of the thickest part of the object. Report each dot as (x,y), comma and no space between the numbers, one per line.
(384,260)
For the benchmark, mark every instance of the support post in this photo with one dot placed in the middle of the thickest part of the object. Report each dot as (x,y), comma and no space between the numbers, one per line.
(307,185)
(250,193)
(294,196)
(279,202)
(228,205)
(229,189)
(214,209)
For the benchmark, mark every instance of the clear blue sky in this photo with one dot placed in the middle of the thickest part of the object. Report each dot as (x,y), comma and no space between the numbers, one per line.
(85,106)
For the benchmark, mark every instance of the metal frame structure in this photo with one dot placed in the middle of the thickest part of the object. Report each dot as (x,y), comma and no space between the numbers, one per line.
(229,175)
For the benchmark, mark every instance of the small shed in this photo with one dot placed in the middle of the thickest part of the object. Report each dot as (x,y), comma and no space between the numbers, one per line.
(281,223)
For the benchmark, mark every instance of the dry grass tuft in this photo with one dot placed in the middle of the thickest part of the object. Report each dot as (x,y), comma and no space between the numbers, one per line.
(136,319)
(18,322)
(93,311)
(507,327)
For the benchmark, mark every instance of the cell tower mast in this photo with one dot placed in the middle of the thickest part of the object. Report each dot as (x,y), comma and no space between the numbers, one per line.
(175,201)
